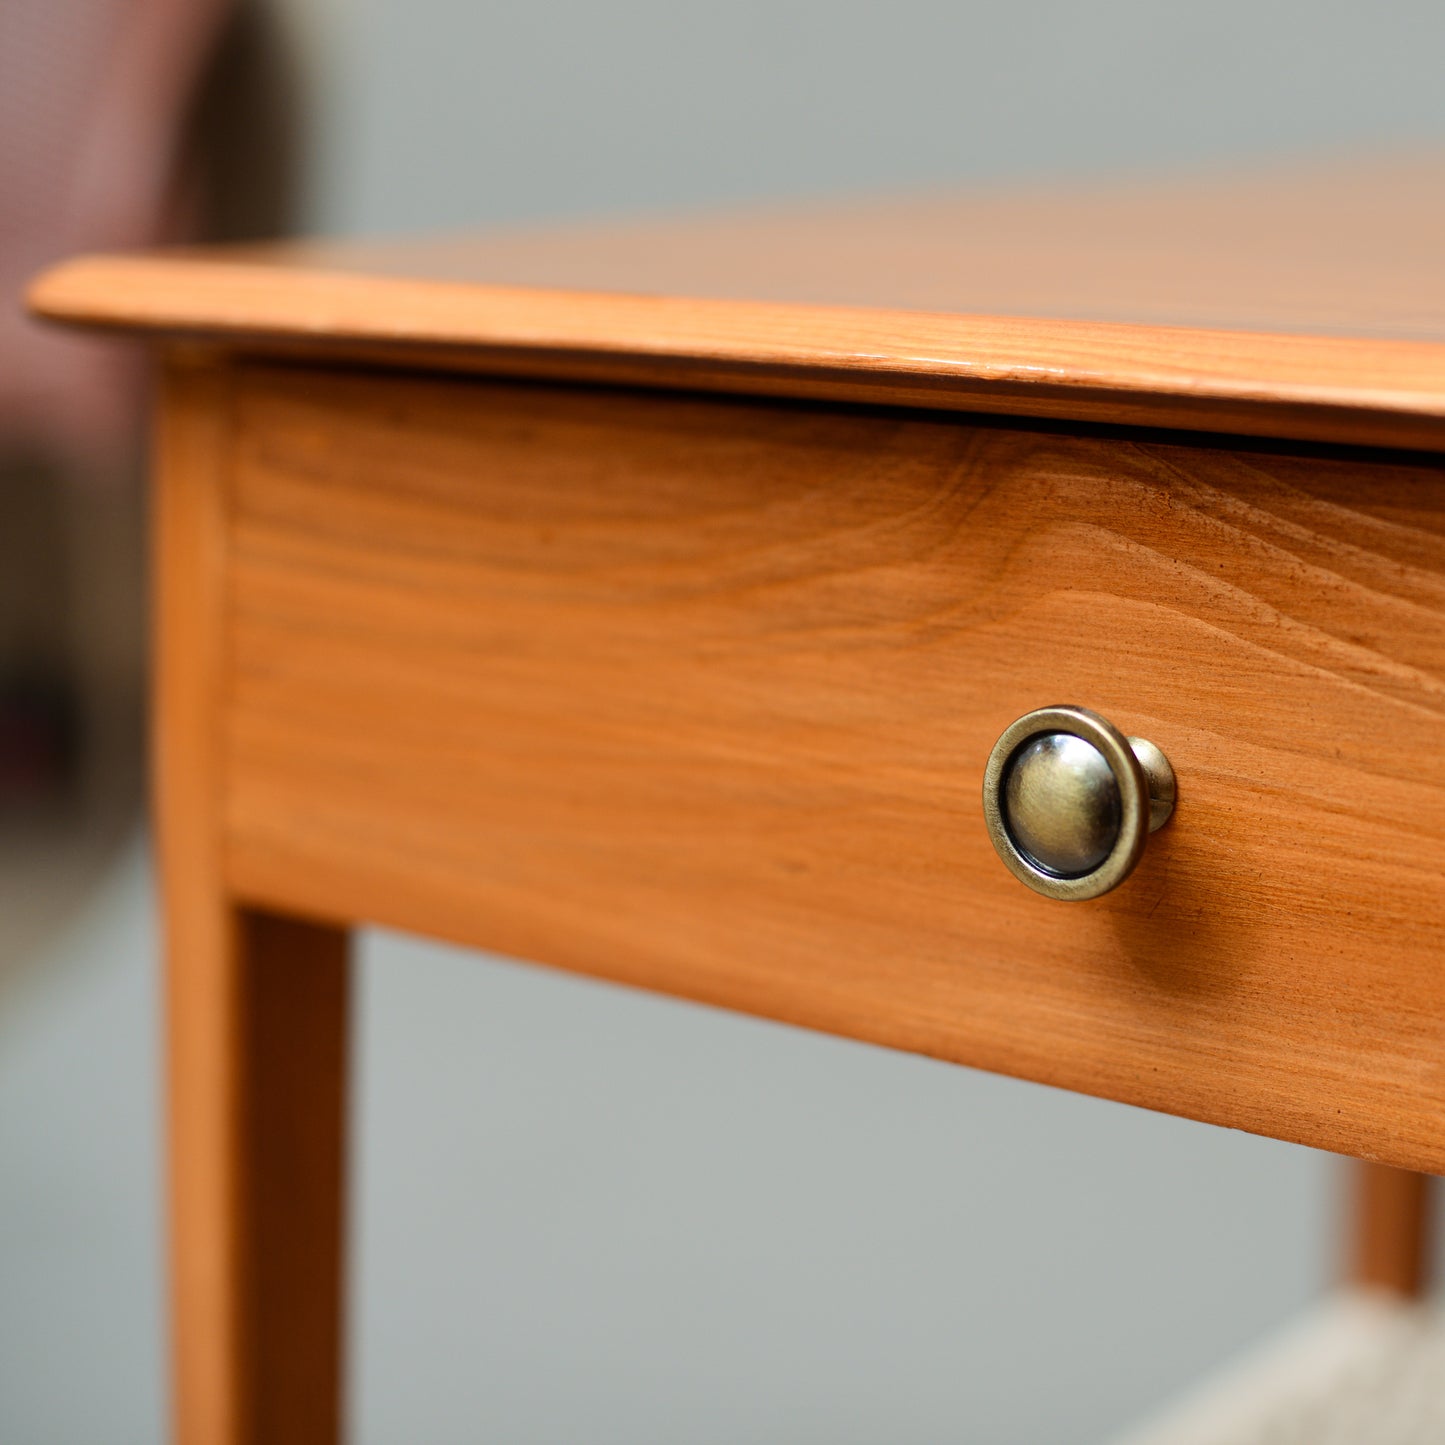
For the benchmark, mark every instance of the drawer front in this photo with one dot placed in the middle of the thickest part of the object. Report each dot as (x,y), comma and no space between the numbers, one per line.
(697,695)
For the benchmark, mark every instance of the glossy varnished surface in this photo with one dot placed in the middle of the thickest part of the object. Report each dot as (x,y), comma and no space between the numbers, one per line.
(1324,248)
(697,696)
(1309,304)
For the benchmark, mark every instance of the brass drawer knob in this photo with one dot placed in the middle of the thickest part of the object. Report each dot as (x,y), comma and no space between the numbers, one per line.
(1070,801)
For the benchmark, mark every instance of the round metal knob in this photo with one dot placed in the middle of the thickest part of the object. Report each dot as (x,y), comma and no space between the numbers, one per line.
(1070,801)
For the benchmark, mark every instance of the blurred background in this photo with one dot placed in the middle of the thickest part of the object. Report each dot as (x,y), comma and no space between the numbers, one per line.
(581,1213)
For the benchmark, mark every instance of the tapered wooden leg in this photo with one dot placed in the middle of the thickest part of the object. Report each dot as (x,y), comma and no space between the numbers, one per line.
(255,1015)
(1390,1230)
(257,1114)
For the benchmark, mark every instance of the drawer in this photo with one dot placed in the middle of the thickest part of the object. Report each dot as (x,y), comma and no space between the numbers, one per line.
(696,695)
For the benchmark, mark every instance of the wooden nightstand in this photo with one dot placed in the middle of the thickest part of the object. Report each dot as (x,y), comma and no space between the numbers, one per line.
(646,602)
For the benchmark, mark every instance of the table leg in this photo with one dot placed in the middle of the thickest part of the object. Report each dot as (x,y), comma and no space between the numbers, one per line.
(257,1122)
(256,1011)
(1390,1230)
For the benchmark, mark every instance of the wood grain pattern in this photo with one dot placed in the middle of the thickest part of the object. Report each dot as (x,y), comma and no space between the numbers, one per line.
(696,696)
(256,1016)
(1312,309)
(1391,1234)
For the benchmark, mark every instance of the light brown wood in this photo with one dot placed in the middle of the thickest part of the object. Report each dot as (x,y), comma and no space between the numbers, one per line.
(696,695)
(256,1014)
(1309,306)
(1390,1231)
(1338,248)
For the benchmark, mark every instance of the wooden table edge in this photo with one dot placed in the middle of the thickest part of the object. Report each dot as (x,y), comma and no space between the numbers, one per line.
(1310,388)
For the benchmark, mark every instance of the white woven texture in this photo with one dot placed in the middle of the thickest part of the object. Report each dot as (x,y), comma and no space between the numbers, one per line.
(1359,1370)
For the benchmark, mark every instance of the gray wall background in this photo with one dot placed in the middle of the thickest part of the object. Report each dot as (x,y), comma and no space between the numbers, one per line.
(437,112)
(588,1215)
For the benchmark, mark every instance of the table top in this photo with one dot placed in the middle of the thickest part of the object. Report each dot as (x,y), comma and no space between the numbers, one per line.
(1307,302)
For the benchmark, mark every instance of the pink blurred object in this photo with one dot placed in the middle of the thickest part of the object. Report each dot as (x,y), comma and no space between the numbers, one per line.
(93,99)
